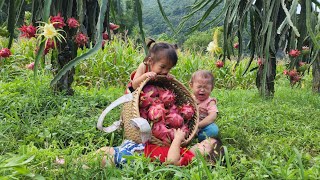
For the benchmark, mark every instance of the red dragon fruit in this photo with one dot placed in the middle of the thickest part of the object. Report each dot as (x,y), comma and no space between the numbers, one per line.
(236,45)
(73,23)
(81,39)
(30,66)
(113,26)
(160,131)
(105,36)
(28,31)
(174,120)
(219,64)
(173,109)
(167,97)
(186,111)
(156,112)
(171,134)
(151,88)
(5,52)
(58,21)
(293,73)
(185,128)
(50,44)
(145,100)
(143,113)
(294,53)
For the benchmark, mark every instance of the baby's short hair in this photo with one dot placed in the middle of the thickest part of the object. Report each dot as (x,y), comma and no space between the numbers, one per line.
(204,74)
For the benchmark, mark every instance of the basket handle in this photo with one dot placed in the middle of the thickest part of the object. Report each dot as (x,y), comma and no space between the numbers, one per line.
(123,99)
(144,127)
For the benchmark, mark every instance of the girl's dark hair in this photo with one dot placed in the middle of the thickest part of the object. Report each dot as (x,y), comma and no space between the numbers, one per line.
(156,48)
(216,153)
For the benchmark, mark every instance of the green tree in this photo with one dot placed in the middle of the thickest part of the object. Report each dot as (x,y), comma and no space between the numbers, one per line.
(198,41)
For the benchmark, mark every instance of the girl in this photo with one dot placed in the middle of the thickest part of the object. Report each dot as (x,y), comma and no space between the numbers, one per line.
(210,148)
(201,84)
(161,58)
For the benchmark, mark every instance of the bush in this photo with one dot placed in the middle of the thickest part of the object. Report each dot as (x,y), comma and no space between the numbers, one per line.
(198,41)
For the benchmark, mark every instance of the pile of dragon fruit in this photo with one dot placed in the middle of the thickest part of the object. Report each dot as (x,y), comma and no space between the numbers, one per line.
(158,105)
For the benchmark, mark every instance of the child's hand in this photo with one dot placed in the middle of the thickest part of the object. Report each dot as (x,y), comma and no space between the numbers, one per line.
(179,134)
(151,74)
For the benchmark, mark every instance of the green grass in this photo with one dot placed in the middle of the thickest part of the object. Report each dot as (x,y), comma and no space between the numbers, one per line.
(265,139)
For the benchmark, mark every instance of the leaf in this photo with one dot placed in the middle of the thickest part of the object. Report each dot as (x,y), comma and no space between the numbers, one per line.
(169,168)
(308,23)
(269,11)
(264,168)
(294,28)
(212,22)
(267,59)
(204,162)
(80,11)
(206,14)
(165,16)
(21,170)
(299,162)
(315,56)
(46,12)
(227,159)
(11,22)
(196,8)
(20,3)
(96,47)
(139,11)
(39,54)
(16,161)
(1,3)
(293,9)
(252,42)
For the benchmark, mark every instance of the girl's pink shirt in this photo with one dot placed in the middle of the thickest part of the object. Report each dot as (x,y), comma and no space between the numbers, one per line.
(205,108)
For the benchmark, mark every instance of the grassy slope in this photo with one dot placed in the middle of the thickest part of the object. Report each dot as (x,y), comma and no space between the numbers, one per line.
(261,136)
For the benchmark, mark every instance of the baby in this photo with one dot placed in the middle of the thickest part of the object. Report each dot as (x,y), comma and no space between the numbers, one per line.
(201,84)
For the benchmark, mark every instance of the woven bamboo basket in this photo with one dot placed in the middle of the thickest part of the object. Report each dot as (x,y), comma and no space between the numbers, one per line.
(130,109)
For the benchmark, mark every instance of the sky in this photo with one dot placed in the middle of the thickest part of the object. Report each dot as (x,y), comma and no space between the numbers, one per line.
(299,7)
